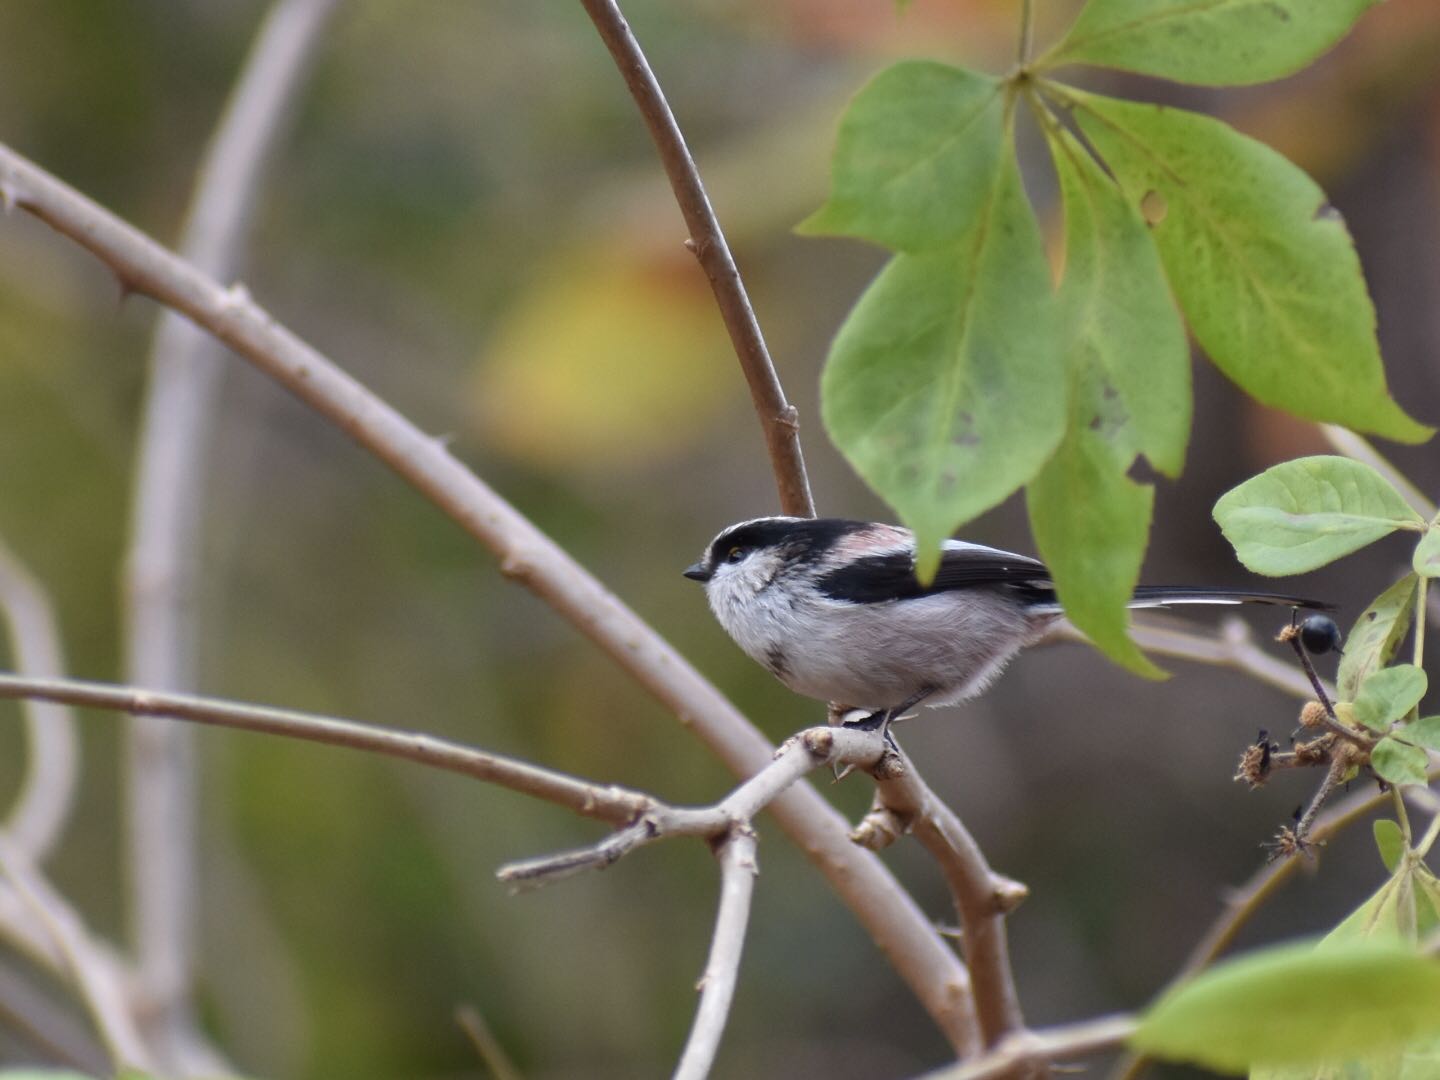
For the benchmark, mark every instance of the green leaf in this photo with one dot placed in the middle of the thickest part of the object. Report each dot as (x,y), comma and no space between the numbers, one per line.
(1130,392)
(1118,312)
(1377,635)
(1305,513)
(1297,1004)
(1389,694)
(1263,267)
(1424,732)
(945,387)
(1215,42)
(1398,763)
(1091,522)
(1427,553)
(1391,842)
(915,159)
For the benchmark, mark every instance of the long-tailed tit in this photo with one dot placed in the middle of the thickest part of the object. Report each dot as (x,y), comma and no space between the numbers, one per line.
(833,609)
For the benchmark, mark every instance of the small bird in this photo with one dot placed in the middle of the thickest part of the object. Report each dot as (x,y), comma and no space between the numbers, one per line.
(834,610)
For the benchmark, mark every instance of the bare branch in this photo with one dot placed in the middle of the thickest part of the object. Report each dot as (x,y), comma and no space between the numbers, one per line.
(1041,1047)
(802,753)
(161,579)
(48,788)
(722,968)
(982,898)
(46,1026)
(1234,646)
(90,970)
(888,913)
(606,802)
(778,418)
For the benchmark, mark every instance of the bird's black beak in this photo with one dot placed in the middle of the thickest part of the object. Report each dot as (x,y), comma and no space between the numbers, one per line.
(698,572)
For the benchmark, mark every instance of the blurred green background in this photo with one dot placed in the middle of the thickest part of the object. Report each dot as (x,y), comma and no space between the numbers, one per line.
(470,218)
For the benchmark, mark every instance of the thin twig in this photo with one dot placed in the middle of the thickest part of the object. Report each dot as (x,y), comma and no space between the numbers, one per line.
(50,1029)
(778,418)
(1243,903)
(162,565)
(1234,646)
(1040,1047)
(1022,49)
(486,1044)
(90,971)
(982,897)
(47,789)
(886,910)
(722,967)
(801,754)
(605,802)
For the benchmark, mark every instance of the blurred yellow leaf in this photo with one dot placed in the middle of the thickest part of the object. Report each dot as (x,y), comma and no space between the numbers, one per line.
(607,360)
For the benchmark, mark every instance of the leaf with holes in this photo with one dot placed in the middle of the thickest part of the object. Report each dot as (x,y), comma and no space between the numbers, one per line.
(1305,513)
(945,388)
(915,158)
(1262,266)
(1297,1004)
(1215,42)
(1129,370)
(1377,635)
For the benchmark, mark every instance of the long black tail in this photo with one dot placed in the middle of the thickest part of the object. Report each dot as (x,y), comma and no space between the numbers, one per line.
(1149,596)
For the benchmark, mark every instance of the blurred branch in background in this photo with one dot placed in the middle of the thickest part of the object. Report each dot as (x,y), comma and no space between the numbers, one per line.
(47,788)
(162,585)
(887,911)
(778,418)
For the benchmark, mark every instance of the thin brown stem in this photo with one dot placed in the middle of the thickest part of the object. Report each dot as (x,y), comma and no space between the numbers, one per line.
(886,910)
(1248,899)
(778,418)
(982,897)
(602,801)
(1042,1047)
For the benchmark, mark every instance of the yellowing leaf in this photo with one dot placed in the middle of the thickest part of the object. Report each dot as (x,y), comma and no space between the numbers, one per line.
(606,362)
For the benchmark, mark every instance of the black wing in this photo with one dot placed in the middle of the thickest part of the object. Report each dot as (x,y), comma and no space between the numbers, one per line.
(877,578)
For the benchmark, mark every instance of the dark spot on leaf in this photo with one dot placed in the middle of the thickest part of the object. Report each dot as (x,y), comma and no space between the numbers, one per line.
(1326,212)
(964,431)
(1095,423)
(1371,615)
(948,480)
(1153,208)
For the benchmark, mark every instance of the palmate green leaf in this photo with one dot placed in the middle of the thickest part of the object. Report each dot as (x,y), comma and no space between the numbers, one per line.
(1389,694)
(1377,635)
(1130,392)
(1397,763)
(1118,313)
(945,387)
(1264,269)
(1302,514)
(1091,522)
(1214,42)
(1296,1004)
(1427,553)
(915,158)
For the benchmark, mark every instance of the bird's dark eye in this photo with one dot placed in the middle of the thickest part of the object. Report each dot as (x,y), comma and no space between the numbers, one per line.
(736,553)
